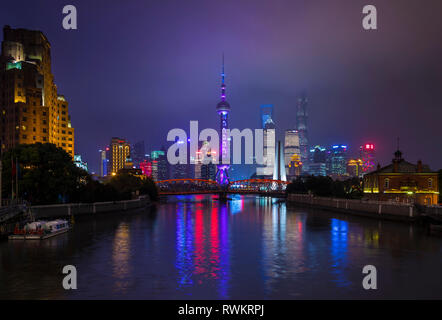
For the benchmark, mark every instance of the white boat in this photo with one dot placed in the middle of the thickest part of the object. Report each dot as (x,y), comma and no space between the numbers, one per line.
(39,230)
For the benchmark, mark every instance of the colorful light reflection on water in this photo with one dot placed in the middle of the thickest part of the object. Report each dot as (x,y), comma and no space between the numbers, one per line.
(197,247)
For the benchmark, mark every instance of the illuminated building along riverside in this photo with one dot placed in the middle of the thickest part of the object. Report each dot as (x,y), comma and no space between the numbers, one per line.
(119,155)
(31,109)
(402,181)
(223,109)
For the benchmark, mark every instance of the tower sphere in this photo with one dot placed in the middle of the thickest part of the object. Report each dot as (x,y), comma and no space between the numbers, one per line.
(223,107)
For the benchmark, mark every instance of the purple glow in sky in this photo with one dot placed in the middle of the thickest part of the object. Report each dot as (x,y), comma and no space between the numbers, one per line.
(137,69)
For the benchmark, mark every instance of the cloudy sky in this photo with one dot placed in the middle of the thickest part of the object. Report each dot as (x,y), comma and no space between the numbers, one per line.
(136,69)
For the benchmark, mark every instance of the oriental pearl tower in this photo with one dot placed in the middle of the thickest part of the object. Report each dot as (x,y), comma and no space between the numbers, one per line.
(223,109)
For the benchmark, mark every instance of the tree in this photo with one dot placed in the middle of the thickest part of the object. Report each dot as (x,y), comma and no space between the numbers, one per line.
(149,187)
(46,173)
(327,187)
(126,185)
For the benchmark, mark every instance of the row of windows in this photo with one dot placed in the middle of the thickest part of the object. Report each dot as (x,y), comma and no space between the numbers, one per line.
(387,183)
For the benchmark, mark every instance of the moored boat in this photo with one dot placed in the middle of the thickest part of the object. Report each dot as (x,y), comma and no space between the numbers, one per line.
(40,230)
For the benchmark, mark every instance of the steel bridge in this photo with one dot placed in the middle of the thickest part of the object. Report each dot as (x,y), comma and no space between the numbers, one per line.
(200,186)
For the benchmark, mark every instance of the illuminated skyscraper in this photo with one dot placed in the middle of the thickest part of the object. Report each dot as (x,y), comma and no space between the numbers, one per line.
(317,161)
(204,168)
(31,108)
(78,161)
(301,125)
(146,167)
(223,109)
(119,155)
(279,172)
(354,168)
(367,155)
(138,153)
(269,145)
(338,161)
(160,165)
(266,114)
(103,162)
(291,148)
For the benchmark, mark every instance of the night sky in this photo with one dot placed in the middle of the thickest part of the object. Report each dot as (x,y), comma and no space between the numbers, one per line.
(136,69)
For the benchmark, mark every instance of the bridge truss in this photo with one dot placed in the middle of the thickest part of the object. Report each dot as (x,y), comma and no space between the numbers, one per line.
(198,186)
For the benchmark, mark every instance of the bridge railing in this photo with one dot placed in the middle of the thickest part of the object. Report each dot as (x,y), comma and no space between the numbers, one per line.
(177,186)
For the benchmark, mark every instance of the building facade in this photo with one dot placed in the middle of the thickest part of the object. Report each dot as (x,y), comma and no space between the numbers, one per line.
(337,161)
(367,155)
(78,161)
(402,181)
(317,161)
(103,161)
(138,153)
(301,125)
(355,168)
(269,145)
(292,154)
(31,108)
(119,154)
(160,165)
(266,114)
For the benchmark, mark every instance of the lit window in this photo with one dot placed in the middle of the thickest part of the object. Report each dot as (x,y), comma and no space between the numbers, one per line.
(386,183)
(430,183)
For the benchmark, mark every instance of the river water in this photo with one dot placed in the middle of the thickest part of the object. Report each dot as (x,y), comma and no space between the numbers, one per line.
(195,247)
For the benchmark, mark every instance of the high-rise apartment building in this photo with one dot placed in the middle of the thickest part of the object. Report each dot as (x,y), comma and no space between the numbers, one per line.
(31,109)
(119,154)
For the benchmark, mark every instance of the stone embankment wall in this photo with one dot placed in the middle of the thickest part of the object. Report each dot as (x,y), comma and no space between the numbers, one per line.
(377,209)
(79,209)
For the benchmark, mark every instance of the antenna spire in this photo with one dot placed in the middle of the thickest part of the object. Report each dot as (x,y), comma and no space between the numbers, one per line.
(223,86)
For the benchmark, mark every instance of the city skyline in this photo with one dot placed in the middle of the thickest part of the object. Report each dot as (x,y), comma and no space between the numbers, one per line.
(341,109)
(206,153)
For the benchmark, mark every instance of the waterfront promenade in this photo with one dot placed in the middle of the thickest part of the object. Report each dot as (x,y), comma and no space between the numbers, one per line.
(374,209)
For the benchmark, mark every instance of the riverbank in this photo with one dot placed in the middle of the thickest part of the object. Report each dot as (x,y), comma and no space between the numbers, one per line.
(81,209)
(374,209)
(75,210)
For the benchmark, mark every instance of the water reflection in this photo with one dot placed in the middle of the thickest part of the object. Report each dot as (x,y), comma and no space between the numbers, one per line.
(202,246)
(338,250)
(120,257)
(245,248)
